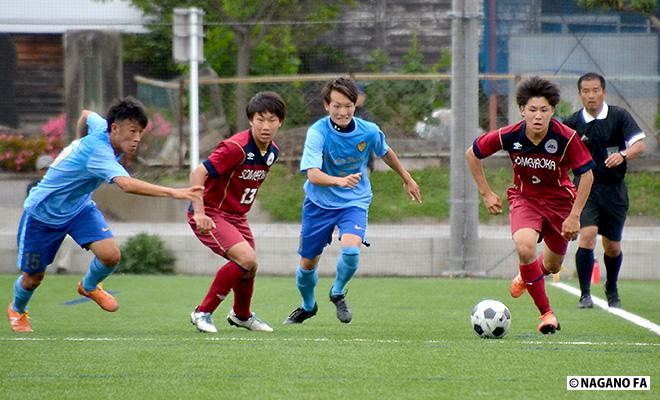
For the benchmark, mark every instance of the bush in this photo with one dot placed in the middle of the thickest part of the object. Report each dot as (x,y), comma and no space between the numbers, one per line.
(146,254)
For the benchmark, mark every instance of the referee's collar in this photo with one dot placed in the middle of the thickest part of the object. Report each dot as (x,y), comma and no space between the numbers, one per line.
(601,115)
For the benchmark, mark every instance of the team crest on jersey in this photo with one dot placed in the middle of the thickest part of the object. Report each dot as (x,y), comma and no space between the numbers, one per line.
(361,146)
(551,146)
(271,159)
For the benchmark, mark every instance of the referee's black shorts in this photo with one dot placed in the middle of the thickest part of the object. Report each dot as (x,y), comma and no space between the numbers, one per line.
(606,208)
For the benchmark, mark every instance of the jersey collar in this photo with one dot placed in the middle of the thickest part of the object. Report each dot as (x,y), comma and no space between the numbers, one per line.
(601,115)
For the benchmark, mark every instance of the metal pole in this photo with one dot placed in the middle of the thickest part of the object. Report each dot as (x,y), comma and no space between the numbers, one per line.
(463,256)
(492,61)
(180,117)
(194,90)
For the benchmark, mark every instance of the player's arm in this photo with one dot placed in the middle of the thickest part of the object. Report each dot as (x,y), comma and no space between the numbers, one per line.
(81,127)
(137,186)
(203,222)
(318,177)
(409,184)
(491,200)
(571,226)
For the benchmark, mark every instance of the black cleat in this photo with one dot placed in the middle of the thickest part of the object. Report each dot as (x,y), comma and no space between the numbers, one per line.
(585,301)
(613,300)
(343,311)
(299,315)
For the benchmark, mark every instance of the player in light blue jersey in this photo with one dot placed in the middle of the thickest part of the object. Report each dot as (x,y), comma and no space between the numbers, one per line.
(61,204)
(338,194)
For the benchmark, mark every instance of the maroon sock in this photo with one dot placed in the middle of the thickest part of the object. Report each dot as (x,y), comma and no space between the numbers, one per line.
(535,281)
(224,280)
(540,261)
(243,298)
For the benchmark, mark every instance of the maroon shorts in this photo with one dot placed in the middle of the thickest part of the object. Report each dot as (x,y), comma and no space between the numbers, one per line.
(545,216)
(230,229)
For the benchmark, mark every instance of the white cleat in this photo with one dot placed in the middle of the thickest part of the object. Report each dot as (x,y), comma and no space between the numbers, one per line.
(203,321)
(252,324)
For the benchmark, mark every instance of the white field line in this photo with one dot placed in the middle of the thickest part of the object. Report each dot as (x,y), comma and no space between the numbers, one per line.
(320,339)
(634,318)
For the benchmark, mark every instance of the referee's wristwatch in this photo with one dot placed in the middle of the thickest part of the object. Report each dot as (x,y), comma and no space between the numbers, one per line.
(623,154)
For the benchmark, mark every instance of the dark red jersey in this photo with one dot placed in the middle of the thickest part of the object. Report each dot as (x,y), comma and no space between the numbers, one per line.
(541,170)
(236,170)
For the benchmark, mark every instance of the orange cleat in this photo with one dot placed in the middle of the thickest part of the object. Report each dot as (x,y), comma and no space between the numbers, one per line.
(100,296)
(549,323)
(518,287)
(19,322)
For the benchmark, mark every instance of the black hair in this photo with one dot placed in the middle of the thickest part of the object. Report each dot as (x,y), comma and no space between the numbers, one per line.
(267,101)
(344,86)
(537,87)
(591,76)
(128,108)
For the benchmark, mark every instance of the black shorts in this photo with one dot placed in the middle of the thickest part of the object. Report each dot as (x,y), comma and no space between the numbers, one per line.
(606,208)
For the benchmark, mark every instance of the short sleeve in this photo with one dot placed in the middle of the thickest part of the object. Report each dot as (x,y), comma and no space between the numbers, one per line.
(96,123)
(631,131)
(103,164)
(487,144)
(312,156)
(578,156)
(380,146)
(224,158)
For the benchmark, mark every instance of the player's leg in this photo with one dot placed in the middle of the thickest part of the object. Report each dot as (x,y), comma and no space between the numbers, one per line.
(220,240)
(584,256)
(90,230)
(37,246)
(611,230)
(316,232)
(352,228)
(523,215)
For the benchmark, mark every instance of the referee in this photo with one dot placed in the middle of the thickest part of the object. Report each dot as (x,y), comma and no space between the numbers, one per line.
(613,138)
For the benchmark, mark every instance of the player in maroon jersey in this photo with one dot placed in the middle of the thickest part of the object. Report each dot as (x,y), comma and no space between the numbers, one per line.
(231,177)
(544,204)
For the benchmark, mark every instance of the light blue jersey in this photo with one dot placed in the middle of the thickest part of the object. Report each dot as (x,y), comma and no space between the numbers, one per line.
(341,154)
(77,171)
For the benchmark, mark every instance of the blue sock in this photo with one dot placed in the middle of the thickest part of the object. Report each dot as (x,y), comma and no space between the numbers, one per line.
(21,296)
(306,280)
(346,267)
(96,273)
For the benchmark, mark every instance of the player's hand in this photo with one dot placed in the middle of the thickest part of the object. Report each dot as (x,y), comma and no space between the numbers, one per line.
(412,189)
(570,227)
(204,223)
(350,181)
(493,203)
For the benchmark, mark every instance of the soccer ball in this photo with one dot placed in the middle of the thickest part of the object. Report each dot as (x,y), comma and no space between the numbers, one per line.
(490,319)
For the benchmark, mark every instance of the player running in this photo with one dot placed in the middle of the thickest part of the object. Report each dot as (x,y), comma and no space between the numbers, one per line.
(338,193)
(61,204)
(544,204)
(232,176)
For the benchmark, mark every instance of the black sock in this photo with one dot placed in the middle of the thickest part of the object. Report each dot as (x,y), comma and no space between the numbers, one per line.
(613,266)
(584,263)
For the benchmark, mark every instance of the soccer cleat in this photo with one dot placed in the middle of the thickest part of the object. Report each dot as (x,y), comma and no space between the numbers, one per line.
(203,321)
(299,315)
(104,299)
(613,300)
(252,324)
(549,323)
(585,302)
(343,311)
(18,322)
(518,287)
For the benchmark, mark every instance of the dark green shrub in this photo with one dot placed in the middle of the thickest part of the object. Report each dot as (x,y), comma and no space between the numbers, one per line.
(146,254)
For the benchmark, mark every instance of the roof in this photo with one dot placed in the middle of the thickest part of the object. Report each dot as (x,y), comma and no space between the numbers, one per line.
(47,16)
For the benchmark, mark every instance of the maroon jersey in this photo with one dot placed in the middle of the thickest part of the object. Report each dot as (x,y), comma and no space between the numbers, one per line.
(540,171)
(236,170)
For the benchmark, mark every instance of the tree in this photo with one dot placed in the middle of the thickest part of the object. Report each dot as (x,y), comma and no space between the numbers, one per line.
(648,8)
(255,26)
